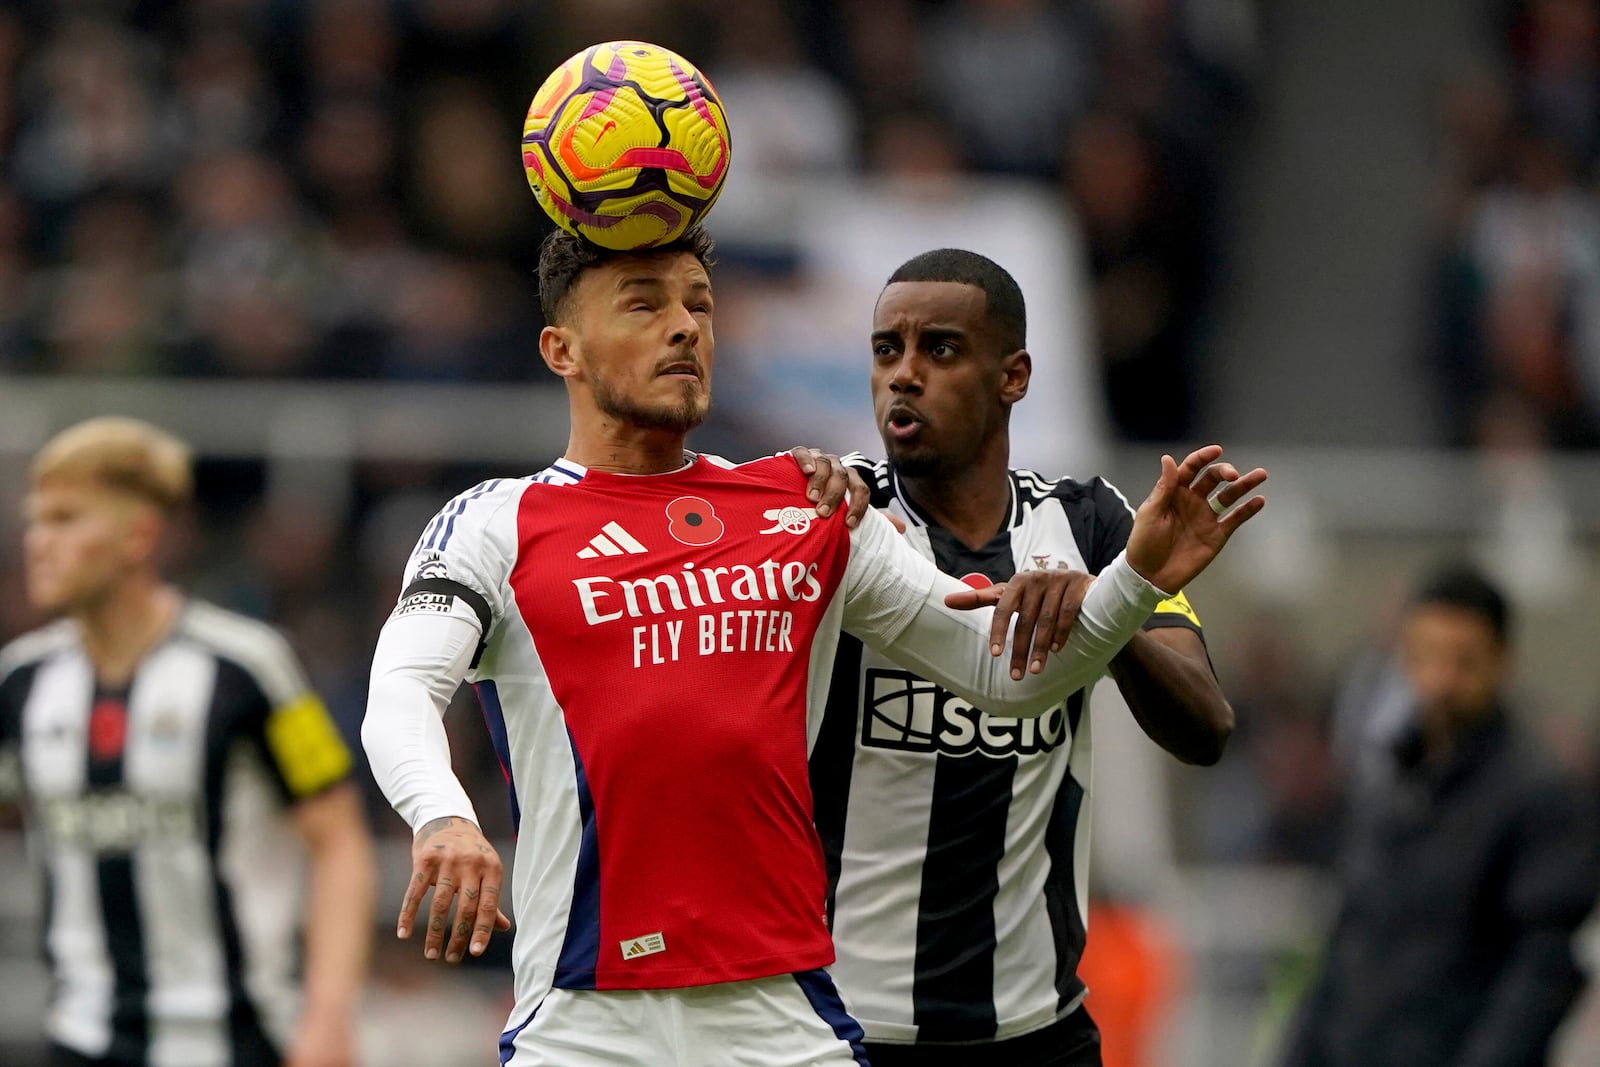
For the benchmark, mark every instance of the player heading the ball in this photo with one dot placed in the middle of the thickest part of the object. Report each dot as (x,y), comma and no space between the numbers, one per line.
(669,884)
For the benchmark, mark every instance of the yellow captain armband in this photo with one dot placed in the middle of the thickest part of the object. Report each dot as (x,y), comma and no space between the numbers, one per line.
(310,753)
(1178,605)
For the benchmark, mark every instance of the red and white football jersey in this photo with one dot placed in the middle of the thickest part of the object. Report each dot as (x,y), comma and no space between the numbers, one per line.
(654,661)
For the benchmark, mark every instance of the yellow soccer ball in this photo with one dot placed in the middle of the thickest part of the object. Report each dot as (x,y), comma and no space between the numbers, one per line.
(626,144)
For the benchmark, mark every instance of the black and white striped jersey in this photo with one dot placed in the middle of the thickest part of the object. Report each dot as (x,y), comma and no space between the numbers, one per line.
(956,841)
(159,816)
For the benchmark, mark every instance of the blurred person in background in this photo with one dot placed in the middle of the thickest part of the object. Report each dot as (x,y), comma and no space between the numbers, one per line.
(1466,871)
(175,772)
(956,841)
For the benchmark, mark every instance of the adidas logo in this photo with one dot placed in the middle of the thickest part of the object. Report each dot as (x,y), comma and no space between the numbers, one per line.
(612,540)
(648,945)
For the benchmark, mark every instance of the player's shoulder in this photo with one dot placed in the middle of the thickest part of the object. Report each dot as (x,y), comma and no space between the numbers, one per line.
(36,646)
(1096,497)
(778,471)
(877,475)
(491,494)
(258,648)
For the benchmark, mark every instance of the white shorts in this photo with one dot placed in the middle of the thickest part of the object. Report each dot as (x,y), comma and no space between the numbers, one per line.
(791,1020)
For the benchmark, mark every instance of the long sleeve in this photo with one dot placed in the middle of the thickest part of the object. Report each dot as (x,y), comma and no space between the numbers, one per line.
(419,663)
(895,603)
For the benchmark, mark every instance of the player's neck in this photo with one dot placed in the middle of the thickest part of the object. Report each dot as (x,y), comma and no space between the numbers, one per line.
(121,627)
(969,503)
(620,449)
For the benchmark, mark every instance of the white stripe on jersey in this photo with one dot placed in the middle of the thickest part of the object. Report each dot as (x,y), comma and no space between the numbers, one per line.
(255,646)
(54,759)
(263,863)
(1024,954)
(188,995)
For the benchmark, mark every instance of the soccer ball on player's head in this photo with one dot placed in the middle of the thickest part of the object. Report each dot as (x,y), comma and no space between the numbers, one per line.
(626,144)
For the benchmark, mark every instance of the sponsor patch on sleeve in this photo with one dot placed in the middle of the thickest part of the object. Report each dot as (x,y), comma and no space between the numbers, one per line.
(425,602)
(310,753)
(1178,605)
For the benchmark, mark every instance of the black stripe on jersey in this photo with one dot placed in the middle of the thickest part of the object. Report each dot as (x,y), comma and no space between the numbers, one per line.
(1060,892)
(14,690)
(953,987)
(119,911)
(236,702)
(833,758)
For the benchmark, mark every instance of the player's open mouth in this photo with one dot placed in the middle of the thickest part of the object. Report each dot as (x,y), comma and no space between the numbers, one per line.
(903,422)
(679,370)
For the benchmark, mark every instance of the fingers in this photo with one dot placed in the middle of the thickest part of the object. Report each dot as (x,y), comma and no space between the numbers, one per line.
(466,917)
(1194,463)
(860,498)
(415,890)
(1214,476)
(1000,626)
(1021,598)
(488,905)
(1240,487)
(444,891)
(1165,484)
(826,484)
(897,521)
(1044,631)
(1242,514)
(1078,584)
(973,599)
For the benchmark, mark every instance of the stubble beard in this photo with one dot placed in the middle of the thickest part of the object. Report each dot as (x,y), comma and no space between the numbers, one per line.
(681,417)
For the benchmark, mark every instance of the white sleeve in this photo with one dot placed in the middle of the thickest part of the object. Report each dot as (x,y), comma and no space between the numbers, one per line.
(894,601)
(419,663)
(467,551)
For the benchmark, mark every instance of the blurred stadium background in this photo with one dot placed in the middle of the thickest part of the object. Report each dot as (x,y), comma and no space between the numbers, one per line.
(1359,243)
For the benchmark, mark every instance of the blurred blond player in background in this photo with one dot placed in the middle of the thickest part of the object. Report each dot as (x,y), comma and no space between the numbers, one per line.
(172,761)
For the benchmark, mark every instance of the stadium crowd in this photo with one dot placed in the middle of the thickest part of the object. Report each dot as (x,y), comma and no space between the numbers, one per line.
(251,190)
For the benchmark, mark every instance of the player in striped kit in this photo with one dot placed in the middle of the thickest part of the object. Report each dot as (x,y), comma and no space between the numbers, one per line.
(650,633)
(174,769)
(957,840)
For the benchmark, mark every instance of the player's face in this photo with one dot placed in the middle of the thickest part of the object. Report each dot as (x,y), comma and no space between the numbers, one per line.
(938,376)
(642,340)
(1454,663)
(79,539)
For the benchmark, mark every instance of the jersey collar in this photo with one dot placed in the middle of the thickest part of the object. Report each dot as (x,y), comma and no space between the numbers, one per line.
(920,518)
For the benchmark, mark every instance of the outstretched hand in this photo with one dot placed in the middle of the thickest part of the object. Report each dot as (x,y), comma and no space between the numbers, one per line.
(1045,604)
(1177,531)
(453,856)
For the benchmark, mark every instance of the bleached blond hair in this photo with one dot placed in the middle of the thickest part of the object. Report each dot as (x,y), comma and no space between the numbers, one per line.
(123,454)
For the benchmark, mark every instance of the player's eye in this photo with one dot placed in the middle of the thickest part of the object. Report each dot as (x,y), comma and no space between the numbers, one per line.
(883,350)
(944,350)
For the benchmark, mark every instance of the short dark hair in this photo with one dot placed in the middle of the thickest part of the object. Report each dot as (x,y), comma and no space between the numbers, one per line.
(563,257)
(1463,586)
(1003,298)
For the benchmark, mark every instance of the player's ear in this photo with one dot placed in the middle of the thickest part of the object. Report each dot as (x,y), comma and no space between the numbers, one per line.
(1016,370)
(145,525)
(555,346)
